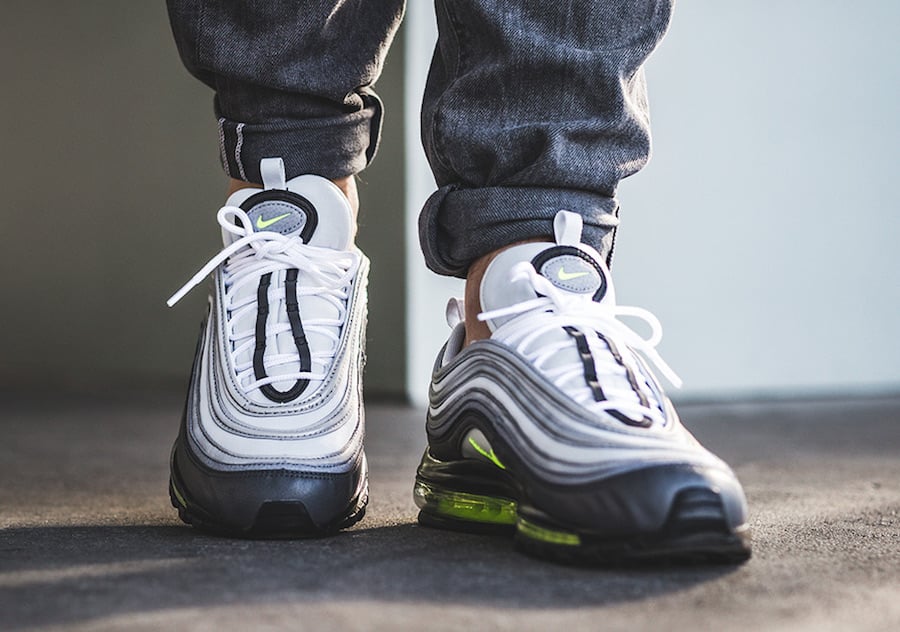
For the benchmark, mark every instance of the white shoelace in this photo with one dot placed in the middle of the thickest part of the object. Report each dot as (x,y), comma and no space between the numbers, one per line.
(555,309)
(324,272)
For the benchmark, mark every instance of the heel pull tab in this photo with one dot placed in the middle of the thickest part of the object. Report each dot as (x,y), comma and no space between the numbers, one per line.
(567,228)
(272,171)
(456,311)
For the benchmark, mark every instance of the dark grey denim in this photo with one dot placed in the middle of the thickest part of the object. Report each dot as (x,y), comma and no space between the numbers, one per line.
(531,106)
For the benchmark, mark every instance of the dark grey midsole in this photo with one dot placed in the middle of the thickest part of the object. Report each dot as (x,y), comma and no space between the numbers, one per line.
(233,498)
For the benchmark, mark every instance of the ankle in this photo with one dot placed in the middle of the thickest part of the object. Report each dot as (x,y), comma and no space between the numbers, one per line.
(346,185)
(476,329)
(237,185)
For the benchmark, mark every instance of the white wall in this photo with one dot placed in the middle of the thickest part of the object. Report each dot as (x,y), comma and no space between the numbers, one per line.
(427,292)
(763,233)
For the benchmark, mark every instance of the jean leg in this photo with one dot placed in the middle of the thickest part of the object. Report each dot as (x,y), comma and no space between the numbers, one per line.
(532,107)
(292,79)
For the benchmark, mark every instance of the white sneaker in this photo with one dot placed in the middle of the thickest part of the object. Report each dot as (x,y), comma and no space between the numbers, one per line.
(556,430)
(271,442)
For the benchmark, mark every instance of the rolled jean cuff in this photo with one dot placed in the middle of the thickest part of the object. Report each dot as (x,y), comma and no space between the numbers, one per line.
(458,225)
(332,147)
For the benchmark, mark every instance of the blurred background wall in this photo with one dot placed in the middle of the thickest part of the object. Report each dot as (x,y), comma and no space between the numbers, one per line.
(763,233)
(110,184)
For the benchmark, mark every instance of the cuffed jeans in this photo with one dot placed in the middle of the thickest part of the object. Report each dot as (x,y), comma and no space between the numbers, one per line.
(530,106)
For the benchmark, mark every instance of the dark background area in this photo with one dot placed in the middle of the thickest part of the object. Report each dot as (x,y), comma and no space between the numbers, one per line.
(111,182)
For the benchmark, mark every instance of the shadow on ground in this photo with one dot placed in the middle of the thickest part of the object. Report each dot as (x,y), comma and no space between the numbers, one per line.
(102,571)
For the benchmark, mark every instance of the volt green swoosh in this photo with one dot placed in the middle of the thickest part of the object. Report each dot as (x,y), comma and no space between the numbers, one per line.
(488,455)
(568,276)
(265,223)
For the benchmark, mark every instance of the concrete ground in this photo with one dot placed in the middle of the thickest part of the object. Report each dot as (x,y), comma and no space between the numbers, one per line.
(88,539)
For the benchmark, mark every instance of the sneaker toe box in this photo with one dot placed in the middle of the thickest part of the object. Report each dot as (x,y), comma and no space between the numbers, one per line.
(266,501)
(661,498)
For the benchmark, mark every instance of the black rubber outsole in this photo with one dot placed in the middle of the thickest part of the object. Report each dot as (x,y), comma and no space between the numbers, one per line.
(700,548)
(275,520)
(697,549)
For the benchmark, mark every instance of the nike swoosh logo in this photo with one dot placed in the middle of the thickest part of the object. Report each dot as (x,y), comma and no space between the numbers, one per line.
(261,223)
(568,276)
(488,455)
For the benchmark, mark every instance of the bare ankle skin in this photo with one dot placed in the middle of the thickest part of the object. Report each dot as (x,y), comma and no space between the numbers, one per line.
(347,185)
(476,329)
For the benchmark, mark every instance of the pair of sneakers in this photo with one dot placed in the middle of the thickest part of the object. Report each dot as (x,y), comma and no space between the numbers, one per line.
(554,430)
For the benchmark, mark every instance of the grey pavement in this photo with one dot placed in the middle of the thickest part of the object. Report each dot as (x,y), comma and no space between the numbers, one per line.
(88,540)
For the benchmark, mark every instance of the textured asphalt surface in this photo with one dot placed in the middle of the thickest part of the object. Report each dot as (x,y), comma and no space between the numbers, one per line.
(88,539)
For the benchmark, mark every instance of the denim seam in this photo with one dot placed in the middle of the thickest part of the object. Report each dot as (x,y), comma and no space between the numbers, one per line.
(222,155)
(239,129)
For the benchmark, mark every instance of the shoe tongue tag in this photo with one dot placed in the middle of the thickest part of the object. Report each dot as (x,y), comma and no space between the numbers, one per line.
(272,171)
(280,211)
(456,311)
(572,270)
(278,217)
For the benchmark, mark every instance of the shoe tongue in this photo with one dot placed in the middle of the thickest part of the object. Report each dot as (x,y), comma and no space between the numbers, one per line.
(309,206)
(572,267)
(318,212)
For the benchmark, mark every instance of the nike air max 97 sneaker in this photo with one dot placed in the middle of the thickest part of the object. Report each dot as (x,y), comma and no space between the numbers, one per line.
(271,438)
(555,429)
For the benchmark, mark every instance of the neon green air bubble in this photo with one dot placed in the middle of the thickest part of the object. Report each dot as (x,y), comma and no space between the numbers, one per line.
(533,531)
(463,506)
